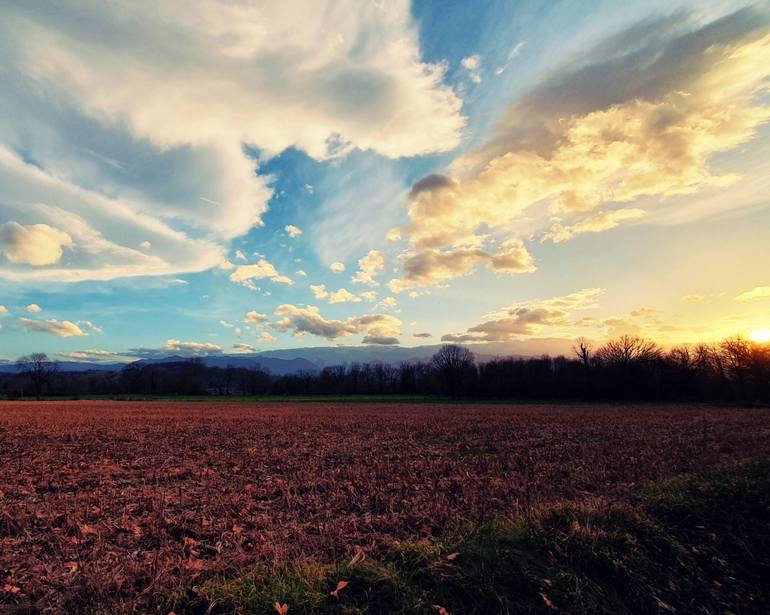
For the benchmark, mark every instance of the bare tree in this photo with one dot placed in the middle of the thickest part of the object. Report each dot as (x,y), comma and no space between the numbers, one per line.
(582,350)
(38,369)
(627,350)
(747,364)
(681,358)
(453,363)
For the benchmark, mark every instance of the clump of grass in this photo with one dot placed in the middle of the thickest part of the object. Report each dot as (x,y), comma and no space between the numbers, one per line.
(691,544)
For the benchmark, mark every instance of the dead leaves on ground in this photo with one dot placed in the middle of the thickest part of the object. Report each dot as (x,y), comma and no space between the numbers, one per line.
(113,498)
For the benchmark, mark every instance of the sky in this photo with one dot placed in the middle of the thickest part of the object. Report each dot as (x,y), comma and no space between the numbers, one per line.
(235,177)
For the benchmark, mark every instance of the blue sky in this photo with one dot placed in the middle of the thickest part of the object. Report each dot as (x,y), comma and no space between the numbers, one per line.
(553,170)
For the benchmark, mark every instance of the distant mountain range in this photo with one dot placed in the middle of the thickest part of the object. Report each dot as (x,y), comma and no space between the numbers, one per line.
(279,367)
(295,360)
(324,356)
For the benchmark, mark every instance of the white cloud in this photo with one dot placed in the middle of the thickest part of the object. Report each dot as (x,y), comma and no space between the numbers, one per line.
(263,269)
(472,65)
(90,326)
(59,328)
(195,348)
(105,232)
(33,308)
(241,347)
(3,309)
(292,231)
(369,266)
(145,245)
(377,328)
(301,273)
(152,104)
(254,317)
(387,303)
(341,295)
(240,256)
(337,267)
(178,64)
(319,291)
(92,355)
(36,244)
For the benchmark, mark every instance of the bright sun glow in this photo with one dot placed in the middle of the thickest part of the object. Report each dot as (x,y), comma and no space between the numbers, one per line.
(760,335)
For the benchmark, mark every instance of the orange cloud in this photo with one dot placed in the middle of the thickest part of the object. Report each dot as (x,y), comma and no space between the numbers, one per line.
(641,116)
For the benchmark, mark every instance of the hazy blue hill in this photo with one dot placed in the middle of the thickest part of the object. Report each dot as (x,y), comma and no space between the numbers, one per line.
(289,360)
(277,366)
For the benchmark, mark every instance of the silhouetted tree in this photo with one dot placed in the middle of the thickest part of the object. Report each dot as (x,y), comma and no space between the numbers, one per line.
(191,377)
(582,350)
(748,366)
(453,364)
(628,349)
(38,369)
(624,368)
(229,375)
(631,367)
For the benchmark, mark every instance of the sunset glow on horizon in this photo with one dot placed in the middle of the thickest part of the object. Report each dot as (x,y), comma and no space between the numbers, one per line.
(761,336)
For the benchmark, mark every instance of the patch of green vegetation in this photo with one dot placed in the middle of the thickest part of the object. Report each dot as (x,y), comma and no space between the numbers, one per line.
(692,544)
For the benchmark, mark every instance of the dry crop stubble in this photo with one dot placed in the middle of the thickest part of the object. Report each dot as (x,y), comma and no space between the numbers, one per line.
(128,499)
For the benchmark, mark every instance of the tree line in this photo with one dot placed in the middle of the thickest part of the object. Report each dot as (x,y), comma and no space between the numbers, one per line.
(626,368)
